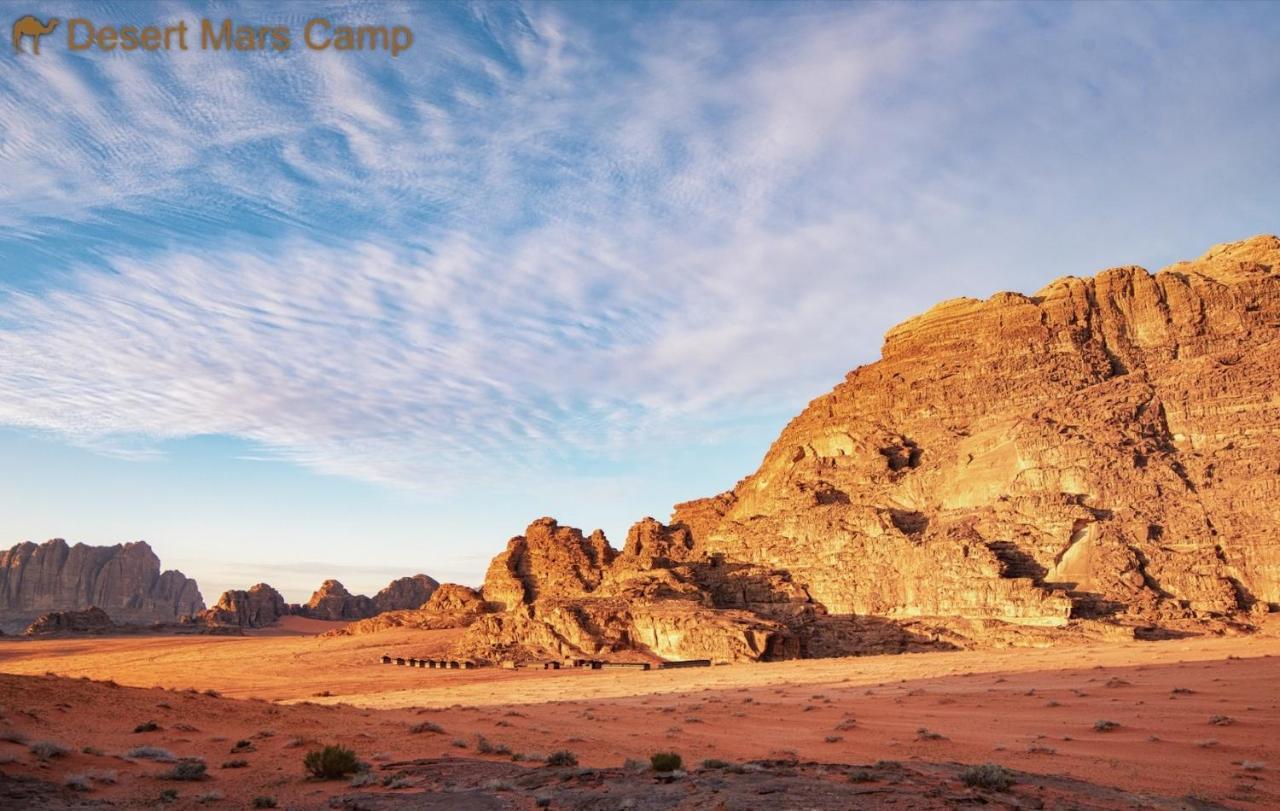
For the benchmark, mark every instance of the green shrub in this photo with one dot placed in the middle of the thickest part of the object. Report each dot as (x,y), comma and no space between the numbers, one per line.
(562,758)
(665,761)
(989,776)
(331,763)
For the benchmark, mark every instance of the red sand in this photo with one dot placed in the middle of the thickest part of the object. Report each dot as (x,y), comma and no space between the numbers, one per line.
(1032,710)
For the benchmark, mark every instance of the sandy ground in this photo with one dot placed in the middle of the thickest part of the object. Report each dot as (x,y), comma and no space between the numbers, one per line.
(1195,716)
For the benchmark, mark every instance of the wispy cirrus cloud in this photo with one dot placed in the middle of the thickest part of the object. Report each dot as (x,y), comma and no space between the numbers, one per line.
(544,235)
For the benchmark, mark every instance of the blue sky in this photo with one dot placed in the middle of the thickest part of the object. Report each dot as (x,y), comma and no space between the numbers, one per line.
(297,315)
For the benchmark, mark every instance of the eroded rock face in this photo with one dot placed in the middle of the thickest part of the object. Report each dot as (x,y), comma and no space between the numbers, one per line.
(1108,447)
(258,607)
(90,620)
(547,560)
(124,580)
(556,593)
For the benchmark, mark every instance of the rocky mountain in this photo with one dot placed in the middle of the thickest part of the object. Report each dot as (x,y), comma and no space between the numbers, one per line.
(123,580)
(1108,447)
(1098,460)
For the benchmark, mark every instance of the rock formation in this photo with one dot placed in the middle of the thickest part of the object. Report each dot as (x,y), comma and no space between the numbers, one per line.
(90,620)
(404,593)
(123,580)
(1106,448)
(450,606)
(332,601)
(1098,460)
(258,607)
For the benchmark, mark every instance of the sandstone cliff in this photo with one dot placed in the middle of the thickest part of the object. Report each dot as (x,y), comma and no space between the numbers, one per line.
(123,580)
(1106,448)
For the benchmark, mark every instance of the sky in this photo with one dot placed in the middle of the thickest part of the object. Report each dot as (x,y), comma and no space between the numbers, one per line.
(307,314)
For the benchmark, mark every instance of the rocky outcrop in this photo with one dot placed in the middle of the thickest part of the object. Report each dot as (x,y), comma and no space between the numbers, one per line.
(555,593)
(450,606)
(404,593)
(124,580)
(548,559)
(332,601)
(1107,448)
(90,620)
(258,607)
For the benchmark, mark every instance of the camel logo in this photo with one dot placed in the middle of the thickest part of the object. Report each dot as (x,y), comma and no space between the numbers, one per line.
(29,26)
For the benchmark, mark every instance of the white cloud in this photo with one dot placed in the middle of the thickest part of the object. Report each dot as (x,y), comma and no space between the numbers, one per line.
(520,247)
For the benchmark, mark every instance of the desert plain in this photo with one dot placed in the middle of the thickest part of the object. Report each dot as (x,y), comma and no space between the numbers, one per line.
(1193,724)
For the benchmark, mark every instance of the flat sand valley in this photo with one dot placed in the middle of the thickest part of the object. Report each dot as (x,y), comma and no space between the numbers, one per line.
(1196,719)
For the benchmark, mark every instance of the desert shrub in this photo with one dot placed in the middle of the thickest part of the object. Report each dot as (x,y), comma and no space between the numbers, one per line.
(483,746)
(331,762)
(151,753)
(211,693)
(78,782)
(713,763)
(665,761)
(46,750)
(458,742)
(147,726)
(990,776)
(13,736)
(633,765)
(242,745)
(925,734)
(235,764)
(92,750)
(1102,725)
(1221,720)
(187,769)
(834,738)
(209,797)
(363,779)
(1252,765)
(169,795)
(426,726)
(104,776)
(562,758)
(264,802)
